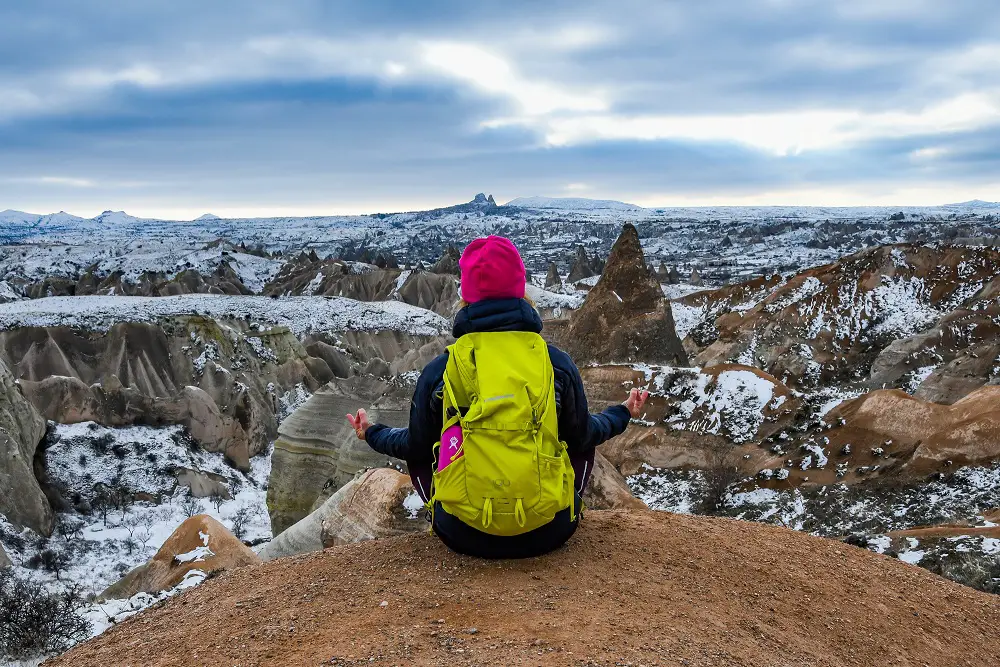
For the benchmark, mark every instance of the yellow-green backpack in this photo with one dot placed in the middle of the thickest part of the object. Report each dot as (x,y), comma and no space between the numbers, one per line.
(512,473)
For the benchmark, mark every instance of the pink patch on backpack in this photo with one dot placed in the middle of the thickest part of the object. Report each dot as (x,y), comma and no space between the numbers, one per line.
(451,447)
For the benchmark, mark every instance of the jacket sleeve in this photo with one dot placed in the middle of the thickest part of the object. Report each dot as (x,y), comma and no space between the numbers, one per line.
(415,444)
(581,430)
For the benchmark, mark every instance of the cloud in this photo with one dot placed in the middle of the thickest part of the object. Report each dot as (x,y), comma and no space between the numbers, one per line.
(305,104)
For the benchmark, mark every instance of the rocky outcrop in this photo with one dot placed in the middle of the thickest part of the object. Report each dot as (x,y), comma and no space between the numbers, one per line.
(4,559)
(223,280)
(607,489)
(425,289)
(21,428)
(695,278)
(581,267)
(625,316)
(433,291)
(552,278)
(368,507)
(316,452)
(956,356)
(663,273)
(199,546)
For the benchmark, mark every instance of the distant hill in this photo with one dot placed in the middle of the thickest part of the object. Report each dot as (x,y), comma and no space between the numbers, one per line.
(572,204)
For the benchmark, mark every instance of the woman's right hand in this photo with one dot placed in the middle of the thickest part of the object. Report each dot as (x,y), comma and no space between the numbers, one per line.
(359,423)
(635,402)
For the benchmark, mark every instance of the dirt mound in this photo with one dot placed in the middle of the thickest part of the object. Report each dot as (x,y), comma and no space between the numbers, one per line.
(199,544)
(630,588)
(625,317)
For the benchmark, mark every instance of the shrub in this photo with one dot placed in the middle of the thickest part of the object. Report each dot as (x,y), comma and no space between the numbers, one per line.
(36,622)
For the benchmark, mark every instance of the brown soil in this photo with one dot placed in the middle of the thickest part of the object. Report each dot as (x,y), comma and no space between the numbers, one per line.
(631,588)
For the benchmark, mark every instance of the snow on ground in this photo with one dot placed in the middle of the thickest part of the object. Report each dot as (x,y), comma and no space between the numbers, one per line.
(546,299)
(302,314)
(681,290)
(731,403)
(686,317)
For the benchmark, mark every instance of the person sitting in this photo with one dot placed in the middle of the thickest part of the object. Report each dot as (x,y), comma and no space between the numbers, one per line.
(500,442)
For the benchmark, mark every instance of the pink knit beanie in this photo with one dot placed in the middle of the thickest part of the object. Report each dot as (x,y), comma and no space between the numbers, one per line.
(491,269)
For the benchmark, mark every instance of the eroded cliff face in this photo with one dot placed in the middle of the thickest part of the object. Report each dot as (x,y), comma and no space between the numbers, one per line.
(21,428)
(229,381)
(316,452)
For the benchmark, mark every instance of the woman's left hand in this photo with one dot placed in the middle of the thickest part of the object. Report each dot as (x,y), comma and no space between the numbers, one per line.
(359,423)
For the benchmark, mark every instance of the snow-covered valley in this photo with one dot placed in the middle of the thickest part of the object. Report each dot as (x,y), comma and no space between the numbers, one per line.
(832,371)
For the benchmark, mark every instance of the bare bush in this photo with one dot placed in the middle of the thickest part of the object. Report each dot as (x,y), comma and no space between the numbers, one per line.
(191,506)
(241,520)
(725,466)
(36,623)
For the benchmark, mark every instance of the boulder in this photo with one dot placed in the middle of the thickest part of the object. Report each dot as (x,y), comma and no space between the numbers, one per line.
(317,452)
(21,429)
(4,559)
(203,484)
(368,507)
(625,317)
(607,489)
(200,543)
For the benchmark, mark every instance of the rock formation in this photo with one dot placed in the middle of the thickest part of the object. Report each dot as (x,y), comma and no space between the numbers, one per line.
(673,276)
(692,414)
(316,452)
(663,273)
(368,507)
(923,436)
(695,278)
(582,267)
(625,317)
(4,559)
(448,263)
(678,588)
(21,428)
(552,278)
(200,543)
(607,489)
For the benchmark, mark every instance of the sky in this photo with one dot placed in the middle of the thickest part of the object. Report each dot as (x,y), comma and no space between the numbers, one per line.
(177,108)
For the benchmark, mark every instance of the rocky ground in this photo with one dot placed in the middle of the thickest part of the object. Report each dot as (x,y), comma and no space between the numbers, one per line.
(636,588)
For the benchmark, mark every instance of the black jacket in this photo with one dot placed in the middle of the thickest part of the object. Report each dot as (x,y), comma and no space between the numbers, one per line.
(581,430)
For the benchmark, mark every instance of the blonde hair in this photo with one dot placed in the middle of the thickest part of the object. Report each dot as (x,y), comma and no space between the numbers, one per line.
(462,303)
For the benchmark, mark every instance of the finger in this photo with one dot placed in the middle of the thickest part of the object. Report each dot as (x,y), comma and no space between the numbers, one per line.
(350,420)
